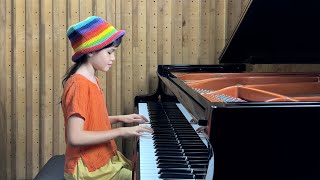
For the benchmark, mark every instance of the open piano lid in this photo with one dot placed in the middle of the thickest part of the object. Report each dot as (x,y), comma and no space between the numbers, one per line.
(276,32)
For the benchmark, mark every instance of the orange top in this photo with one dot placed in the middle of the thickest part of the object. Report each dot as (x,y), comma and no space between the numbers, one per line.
(85,99)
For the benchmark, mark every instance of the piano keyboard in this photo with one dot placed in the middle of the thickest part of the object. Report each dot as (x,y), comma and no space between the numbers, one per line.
(174,150)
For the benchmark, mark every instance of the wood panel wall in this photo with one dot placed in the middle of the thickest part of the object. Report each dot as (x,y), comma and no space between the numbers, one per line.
(35,54)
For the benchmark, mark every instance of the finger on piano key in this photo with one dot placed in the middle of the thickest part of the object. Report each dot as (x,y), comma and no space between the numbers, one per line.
(143,110)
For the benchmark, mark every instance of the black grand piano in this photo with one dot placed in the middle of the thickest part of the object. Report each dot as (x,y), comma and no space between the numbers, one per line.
(261,126)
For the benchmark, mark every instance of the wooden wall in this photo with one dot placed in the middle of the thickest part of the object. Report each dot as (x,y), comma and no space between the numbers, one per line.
(35,53)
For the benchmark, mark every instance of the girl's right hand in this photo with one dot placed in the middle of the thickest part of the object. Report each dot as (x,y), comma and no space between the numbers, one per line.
(135,130)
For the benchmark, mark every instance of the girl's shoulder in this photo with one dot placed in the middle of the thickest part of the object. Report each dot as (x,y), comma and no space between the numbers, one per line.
(77,80)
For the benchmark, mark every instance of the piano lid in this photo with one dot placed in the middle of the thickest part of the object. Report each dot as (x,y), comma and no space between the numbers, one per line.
(276,32)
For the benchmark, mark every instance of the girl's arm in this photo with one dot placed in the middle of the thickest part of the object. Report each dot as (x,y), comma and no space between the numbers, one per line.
(79,137)
(130,118)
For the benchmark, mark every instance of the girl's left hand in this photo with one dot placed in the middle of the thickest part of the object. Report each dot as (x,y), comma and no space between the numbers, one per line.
(133,118)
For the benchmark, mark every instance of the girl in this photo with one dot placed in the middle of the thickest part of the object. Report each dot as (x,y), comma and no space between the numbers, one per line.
(91,152)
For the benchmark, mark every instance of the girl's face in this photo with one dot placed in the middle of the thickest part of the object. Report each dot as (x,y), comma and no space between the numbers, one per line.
(102,60)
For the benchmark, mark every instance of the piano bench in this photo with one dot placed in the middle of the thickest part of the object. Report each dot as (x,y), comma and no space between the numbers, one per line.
(53,169)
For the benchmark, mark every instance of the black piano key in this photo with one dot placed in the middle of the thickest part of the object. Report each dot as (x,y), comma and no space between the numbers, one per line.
(170,142)
(166,149)
(171,157)
(167,142)
(173,165)
(188,138)
(199,165)
(171,160)
(175,170)
(161,138)
(199,170)
(176,176)
(199,144)
(196,158)
(200,176)
(198,161)
(169,153)
(190,146)
(199,154)
(172,145)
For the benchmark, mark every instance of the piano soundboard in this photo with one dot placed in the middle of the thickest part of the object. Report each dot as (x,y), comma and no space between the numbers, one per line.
(175,150)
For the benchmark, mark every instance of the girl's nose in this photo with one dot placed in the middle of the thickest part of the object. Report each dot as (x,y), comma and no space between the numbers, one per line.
(113,57)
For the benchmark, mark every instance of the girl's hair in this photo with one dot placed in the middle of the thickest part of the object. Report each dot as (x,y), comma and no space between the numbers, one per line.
(83,60)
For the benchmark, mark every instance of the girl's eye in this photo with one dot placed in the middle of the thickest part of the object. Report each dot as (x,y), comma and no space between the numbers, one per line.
(109,52)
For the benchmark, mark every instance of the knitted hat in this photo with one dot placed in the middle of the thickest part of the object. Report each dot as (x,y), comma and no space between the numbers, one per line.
(90,35)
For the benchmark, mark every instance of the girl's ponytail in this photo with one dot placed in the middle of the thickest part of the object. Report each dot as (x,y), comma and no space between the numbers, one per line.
(73,69)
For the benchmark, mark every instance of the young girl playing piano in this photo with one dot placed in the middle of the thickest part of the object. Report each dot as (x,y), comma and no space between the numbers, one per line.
(91,152)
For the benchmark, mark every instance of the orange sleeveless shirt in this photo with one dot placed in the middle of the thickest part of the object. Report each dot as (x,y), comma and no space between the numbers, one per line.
(84,98)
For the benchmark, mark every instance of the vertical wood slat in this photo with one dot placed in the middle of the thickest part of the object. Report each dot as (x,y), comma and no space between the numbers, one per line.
(9,53)
(212,25)
(8,101)
(35,83)
(140,65)
(160,33)
(152,44)
(185,32)
(29,89)
(135,28)
(176,32)
(221,25)
(48,83)
(42,55)
(56,75)
(126,58)
(3,88)
(73,17)
(167,28)
(194,29)
(63,42)
(13,96)
(204,32)
(20,102)
(85,10)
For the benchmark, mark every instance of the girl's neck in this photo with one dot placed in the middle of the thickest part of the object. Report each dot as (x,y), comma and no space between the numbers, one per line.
(87,71)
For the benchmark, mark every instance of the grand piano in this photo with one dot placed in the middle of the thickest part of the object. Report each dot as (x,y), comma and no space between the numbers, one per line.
(256,125)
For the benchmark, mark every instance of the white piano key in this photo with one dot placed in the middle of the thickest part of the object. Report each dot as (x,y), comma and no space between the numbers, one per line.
(148,166)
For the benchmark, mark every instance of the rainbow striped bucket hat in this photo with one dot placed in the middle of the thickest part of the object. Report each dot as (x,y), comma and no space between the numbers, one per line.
(92,34)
